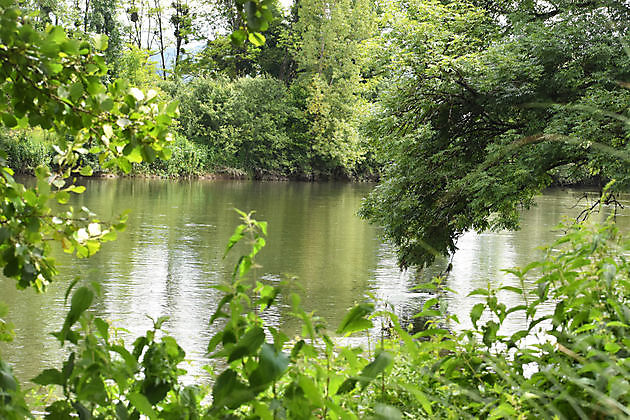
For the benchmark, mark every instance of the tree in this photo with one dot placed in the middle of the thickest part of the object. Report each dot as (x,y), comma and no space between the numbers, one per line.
(102,19)
(221,56)
(181,19)
(51,81)
(329,58)
(479,112)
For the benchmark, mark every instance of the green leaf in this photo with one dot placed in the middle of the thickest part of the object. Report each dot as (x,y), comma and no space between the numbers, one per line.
(142,404)
(490,333)
(102,327)
(256,38)
(422,398)
(475,313)
(248,344)
(369,372)
(271,365)
(124,164)
(80,302)
(355,319)
(238,37)
(229,392)
(9,120)
(516,290)
(134,155)
(49,377)
(378,365)
(56,34)
(311,390)
(480,292)
(86,171)
(101,42)
(235,238)
(77,189)
(76,90)
(612,347)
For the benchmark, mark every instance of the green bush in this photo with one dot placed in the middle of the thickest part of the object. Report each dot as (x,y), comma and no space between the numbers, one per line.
(260,126)
(26,150)
(242,123)
(569,361)
(188,159)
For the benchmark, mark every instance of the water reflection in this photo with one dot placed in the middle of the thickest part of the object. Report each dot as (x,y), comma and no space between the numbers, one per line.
(169,258)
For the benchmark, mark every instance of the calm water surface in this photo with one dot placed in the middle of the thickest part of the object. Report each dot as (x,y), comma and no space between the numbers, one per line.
(171,255)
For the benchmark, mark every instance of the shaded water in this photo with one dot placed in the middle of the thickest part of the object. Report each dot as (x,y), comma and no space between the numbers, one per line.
(171,255)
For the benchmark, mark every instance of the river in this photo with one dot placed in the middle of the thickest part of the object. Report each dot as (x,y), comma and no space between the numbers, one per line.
(166,261)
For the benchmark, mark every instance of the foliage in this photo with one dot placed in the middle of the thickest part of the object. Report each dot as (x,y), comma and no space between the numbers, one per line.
(103,379)
(221,57)
(138,69)
(188,159)
(569,360)
(328,52)
(243,124)
(101,19)
(51,82)
(477,115)
(27,149)
(308,376)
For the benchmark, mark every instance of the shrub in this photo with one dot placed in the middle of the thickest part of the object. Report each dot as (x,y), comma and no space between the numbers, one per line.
(26,150)
(569,361)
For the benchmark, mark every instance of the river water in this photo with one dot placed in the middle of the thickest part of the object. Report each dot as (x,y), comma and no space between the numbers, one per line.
(171,254)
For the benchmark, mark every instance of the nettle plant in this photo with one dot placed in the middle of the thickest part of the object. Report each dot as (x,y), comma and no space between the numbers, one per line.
(261,373)
(569,361)
(576,368)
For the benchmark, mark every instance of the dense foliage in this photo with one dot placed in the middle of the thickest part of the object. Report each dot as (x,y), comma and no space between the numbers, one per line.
(479,106)
(294,94)
(568,360)
(480,112)
(51,82)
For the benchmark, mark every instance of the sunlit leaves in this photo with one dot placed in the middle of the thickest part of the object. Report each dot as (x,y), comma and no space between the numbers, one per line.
(257,16)
(53,81)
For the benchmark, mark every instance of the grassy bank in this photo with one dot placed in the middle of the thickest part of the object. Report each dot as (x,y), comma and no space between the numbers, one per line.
(26,150)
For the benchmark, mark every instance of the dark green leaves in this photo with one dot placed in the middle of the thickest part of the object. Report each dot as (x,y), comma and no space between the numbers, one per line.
(476,312)
(49,377)
(271,366)
(142,404)
(229,392)
(248,344)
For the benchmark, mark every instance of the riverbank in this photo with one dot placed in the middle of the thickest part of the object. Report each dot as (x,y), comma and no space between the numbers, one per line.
(25,151)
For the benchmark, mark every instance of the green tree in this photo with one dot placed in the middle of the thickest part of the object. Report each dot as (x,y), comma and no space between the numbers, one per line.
(478,114)
(50,81)
(102,19)
(243,124)
(221,56)
(181,19)
(329,54)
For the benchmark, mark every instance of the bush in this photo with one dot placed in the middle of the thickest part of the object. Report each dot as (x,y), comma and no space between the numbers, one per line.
(569,361)
(26,150)
(242,123)
(188,159)
(259,126)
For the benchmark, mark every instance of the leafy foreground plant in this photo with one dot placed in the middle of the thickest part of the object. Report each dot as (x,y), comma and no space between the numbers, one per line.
(576,366)
(262,377)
